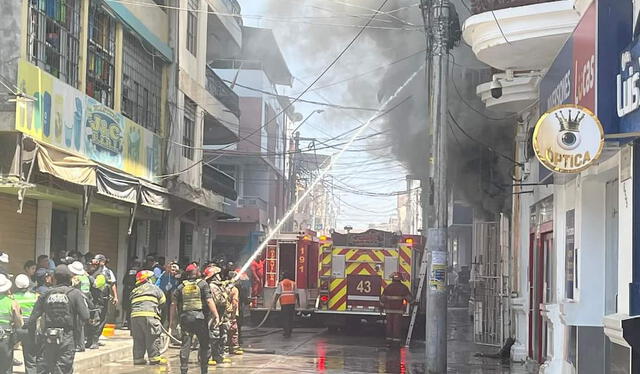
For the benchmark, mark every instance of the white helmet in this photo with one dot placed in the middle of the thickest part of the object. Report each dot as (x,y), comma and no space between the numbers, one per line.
(22,281)
(76,268)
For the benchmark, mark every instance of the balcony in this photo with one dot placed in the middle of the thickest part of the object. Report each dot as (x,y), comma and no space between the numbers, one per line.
(519,34)
(224,29)
(216,181)
(219,89)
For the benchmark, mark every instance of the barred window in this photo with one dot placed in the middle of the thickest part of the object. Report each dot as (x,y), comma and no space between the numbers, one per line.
(188,132)
(192,26)
(141,83)
(54,31)
(101,54)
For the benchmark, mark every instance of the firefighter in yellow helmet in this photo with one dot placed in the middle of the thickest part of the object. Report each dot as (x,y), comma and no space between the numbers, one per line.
(146,300)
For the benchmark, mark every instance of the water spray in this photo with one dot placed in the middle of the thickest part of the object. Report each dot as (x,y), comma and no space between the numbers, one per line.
(322,174)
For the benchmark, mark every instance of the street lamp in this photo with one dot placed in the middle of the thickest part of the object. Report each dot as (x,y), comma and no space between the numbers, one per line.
(305,120)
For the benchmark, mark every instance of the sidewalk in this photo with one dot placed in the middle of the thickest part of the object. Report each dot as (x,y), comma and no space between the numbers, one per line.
(116,348)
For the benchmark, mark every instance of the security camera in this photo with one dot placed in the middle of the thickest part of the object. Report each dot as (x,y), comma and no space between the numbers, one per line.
(496,88)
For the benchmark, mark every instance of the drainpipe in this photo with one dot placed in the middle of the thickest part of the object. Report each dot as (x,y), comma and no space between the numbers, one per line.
(634,287)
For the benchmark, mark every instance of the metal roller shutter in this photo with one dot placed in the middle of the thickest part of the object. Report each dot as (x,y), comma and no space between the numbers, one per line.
(104,237)
(17,231)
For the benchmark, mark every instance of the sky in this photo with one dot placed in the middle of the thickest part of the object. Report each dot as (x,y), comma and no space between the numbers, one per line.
(311,35)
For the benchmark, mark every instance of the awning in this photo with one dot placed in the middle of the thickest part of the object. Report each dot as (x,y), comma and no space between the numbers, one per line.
(65,166)
(117,186)
(154,196)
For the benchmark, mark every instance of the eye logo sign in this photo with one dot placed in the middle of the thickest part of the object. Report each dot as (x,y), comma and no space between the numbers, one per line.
(568,139)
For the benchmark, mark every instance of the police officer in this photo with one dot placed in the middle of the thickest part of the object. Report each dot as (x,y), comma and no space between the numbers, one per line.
(84,282)
(217,333)
(10,319)
(61,306)
(192,299)
(393,300)
(286,293)
(146,300)
(26,300)
(101,297)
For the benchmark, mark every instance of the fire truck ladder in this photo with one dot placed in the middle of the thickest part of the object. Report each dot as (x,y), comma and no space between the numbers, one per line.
(422,275)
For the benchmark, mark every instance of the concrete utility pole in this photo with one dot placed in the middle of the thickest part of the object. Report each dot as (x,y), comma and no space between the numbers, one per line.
(436,323)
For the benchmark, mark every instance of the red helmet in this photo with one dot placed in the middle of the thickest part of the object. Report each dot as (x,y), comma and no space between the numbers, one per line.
(191,267)
(210,271)
(143,276)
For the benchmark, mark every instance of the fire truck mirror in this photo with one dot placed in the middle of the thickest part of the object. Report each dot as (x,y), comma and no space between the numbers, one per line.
(390,266)
(337,266)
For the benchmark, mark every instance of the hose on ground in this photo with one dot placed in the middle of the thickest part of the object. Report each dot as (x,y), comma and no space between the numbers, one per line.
(261,323)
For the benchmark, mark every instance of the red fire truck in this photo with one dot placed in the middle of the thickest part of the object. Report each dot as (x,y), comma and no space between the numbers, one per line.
(342,276)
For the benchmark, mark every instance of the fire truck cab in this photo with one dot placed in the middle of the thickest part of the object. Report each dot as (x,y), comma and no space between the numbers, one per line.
(296,254)
(355,268)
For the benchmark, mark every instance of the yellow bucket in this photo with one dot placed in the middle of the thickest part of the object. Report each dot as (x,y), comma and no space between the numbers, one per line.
(108,330)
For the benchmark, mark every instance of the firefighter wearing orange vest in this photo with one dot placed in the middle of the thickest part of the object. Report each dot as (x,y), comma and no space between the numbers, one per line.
(286,293)
(394,298)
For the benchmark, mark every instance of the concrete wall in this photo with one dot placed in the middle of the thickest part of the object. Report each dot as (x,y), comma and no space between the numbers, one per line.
(152,17)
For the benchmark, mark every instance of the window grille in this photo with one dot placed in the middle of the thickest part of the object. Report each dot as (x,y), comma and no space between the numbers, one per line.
(141,83)
(188,132)
(54,31)
(192,26)
(101,54)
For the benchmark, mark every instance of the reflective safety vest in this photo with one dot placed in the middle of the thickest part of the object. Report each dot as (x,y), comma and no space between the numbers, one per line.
(6,312)
(288,295)
(145,300)
(84,283)
(26,300)
(191,299)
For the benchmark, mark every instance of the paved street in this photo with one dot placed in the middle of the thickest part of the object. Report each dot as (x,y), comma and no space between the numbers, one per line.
(316,350)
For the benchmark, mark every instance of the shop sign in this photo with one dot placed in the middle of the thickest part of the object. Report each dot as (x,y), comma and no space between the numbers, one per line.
(584,71)
(628,89)
(66,118)
(568,139)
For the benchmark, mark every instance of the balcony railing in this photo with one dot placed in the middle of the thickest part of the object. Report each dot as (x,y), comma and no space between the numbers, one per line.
(235,8)
(222,92)
(219,182)
(481,6)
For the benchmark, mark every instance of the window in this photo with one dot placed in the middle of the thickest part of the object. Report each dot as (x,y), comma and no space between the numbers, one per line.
(192,26)
(101,54)
(141,83)
(54,30)
(189,129)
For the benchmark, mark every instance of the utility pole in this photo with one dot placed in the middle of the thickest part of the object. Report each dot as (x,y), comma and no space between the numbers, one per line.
(293,172)
(438,44)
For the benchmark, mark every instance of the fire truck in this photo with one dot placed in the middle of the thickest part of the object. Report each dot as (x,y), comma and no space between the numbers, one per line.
(342,276)
(355,268)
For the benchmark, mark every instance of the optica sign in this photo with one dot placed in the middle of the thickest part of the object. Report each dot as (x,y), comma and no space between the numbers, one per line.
(585,70)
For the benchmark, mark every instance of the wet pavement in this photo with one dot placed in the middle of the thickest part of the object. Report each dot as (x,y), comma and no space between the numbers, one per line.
(358,350)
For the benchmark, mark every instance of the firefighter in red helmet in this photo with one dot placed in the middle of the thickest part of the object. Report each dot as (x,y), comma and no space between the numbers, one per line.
(394,299)
(146,301)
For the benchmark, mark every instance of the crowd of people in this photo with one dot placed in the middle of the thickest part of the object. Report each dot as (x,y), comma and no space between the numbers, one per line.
(59,306)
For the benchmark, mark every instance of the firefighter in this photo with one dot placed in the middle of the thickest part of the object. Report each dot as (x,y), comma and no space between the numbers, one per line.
(146,300)
(61,306)
(218,332)
(393,300)
(233,309)
(26,300)
(286,293)
(192,299)
(10,319)
(257,278)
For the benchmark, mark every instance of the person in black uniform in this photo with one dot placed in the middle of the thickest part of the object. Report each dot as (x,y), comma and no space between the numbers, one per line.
(60,306)
(192,299)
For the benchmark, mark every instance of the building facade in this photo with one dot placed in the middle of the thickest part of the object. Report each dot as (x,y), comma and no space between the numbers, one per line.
(104,113)
(573,240)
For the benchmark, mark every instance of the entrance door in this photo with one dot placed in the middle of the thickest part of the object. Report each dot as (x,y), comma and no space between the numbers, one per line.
(540,288)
